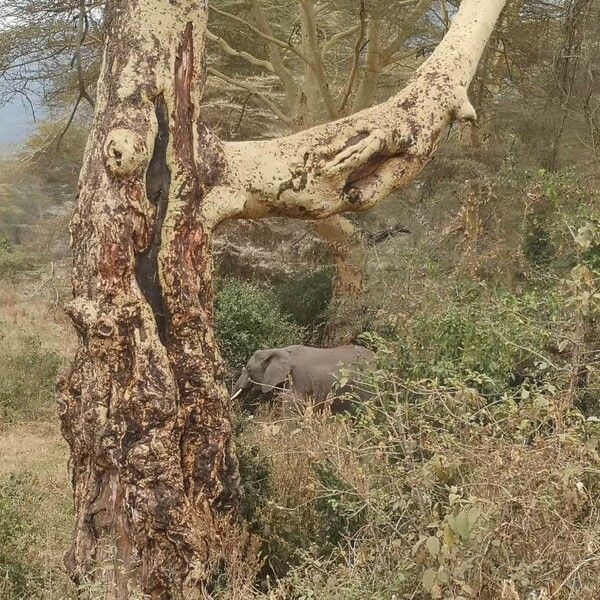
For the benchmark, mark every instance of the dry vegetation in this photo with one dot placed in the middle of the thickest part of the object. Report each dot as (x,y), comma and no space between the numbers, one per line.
(35,498)
(473,473)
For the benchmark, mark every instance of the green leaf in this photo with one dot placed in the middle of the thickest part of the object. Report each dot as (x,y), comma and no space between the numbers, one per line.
(461,525)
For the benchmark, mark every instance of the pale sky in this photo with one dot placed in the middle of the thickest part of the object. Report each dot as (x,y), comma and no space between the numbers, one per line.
(15,123)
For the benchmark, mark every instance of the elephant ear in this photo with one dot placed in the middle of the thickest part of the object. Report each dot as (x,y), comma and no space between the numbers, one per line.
(276,372)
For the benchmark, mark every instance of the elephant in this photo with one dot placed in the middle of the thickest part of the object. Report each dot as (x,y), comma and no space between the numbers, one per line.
(312,371)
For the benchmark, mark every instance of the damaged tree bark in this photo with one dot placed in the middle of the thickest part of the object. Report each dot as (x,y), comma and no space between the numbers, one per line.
(153,465)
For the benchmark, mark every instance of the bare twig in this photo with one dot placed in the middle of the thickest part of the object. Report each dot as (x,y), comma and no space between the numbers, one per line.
(254,92)
(356,58)
(242,113)
(267,37)
(405,33)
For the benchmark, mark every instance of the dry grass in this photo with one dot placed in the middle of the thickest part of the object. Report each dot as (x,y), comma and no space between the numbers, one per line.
(35,456)
(37,505)
(28,309)
(429,496)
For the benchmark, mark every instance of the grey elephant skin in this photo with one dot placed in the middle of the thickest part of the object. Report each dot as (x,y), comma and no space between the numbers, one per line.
(312,372)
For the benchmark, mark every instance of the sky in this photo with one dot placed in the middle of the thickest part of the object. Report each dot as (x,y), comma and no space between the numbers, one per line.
(16,123)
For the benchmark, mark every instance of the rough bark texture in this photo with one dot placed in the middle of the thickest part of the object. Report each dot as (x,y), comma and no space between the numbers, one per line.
(153,467)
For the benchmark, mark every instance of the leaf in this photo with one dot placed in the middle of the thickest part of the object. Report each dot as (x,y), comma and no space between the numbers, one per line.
(585,235)
(473,516)
(461,525)
(449,537)
(417,545)
(429,579)
(433,545)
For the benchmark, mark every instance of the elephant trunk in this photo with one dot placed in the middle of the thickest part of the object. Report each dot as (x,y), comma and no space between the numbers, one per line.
(242,384)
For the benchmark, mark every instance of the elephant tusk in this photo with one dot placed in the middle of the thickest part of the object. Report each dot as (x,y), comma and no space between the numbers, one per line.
(236,395)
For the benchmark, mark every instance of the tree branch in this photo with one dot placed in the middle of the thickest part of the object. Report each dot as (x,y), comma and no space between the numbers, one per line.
(338,37)
(355,163)
(245,86)
(356,58)
(287,79)
(82,26)
(264,36)
(406,31)
(263,64)
(311,42)
(347,245)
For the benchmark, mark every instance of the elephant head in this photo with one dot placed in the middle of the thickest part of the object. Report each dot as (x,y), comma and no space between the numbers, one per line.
(266,371)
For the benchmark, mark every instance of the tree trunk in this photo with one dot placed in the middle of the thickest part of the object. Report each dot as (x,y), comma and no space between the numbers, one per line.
(347,245)
(153,468)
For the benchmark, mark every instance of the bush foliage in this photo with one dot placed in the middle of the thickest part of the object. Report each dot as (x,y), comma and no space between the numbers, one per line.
(17,578)
(249,317)
(12,261)
(430,491)
(27,382)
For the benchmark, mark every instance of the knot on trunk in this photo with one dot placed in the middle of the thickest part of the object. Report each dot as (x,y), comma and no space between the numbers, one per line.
(125,152)
(90,320)
(464,111)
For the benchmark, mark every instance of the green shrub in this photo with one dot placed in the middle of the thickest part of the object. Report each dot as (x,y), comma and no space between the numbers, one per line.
(255,477)
(415,497)
(27,381)
(538,247)
(12,261)
(306,296)
(491,344)
(16,574)
(249,317)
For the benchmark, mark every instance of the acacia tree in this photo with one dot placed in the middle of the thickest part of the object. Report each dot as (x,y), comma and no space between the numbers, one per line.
(312,94)
(143,409)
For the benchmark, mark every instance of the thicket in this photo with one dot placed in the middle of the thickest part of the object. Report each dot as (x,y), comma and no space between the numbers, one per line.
(249,316)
